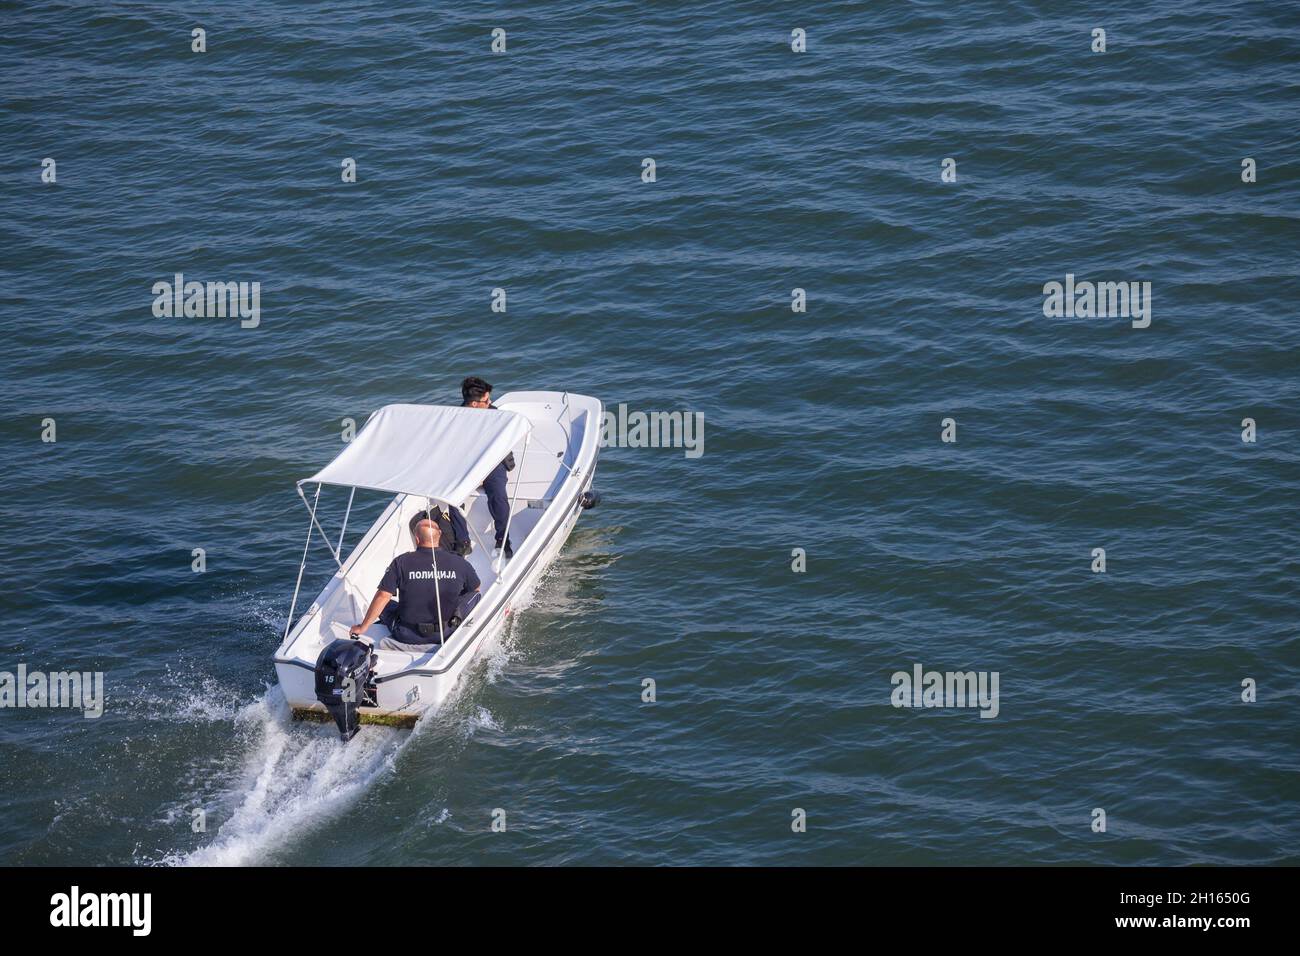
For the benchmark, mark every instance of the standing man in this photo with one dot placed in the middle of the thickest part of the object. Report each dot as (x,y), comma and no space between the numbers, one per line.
(476,393)
(436,593)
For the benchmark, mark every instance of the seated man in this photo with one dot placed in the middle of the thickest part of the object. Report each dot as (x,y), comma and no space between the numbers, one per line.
(426,583)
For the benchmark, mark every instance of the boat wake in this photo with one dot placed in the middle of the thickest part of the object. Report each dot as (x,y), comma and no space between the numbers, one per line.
(291,776)
(286,777)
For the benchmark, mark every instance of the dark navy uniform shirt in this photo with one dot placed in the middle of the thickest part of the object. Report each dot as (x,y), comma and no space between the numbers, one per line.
(411,576)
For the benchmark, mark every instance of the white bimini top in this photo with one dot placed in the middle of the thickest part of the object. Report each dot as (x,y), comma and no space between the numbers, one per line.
(436,451)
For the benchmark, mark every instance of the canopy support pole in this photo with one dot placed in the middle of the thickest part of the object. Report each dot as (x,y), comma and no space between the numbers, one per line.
(558,454)
(564,422)
(324,536)
(513,496)
(293,606)
(344,529)
(437,585)
(472,530)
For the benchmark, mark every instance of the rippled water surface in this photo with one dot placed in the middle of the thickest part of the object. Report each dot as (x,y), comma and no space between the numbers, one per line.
(775,171)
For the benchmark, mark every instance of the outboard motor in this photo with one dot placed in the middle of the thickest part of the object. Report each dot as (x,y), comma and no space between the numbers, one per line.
(344,682)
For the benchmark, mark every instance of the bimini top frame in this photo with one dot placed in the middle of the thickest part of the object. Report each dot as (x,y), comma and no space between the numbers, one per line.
(437,452)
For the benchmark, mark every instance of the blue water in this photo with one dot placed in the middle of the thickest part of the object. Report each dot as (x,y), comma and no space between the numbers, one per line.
(775,170)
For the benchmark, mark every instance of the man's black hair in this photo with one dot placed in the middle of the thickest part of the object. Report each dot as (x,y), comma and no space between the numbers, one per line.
(474,388)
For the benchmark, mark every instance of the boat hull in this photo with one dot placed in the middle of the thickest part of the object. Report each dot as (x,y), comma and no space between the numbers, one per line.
(405,693)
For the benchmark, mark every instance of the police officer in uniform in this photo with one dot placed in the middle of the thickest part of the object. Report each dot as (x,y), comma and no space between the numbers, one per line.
(476,393)
(425,583)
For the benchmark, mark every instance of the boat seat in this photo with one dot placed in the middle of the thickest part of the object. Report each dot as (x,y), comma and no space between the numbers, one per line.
(341,630)
(403,658)
(377,632)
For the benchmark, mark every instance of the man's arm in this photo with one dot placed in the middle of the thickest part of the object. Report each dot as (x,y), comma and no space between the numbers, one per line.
(471,581)
(377,606)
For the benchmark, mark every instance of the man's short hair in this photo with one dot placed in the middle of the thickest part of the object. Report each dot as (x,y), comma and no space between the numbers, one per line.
(474,388)
(417,518)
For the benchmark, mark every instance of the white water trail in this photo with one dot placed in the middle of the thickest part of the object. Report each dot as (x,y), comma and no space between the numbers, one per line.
(292,777)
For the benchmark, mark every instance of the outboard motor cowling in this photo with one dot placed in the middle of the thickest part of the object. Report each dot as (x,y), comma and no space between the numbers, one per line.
(344,682)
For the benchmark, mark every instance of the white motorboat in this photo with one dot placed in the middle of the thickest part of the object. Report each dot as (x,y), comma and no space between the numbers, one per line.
(434,454)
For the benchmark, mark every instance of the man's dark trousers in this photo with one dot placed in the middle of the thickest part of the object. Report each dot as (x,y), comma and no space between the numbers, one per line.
(494,486)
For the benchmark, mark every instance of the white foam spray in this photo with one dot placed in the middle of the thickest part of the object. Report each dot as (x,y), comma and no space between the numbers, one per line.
(292,776)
